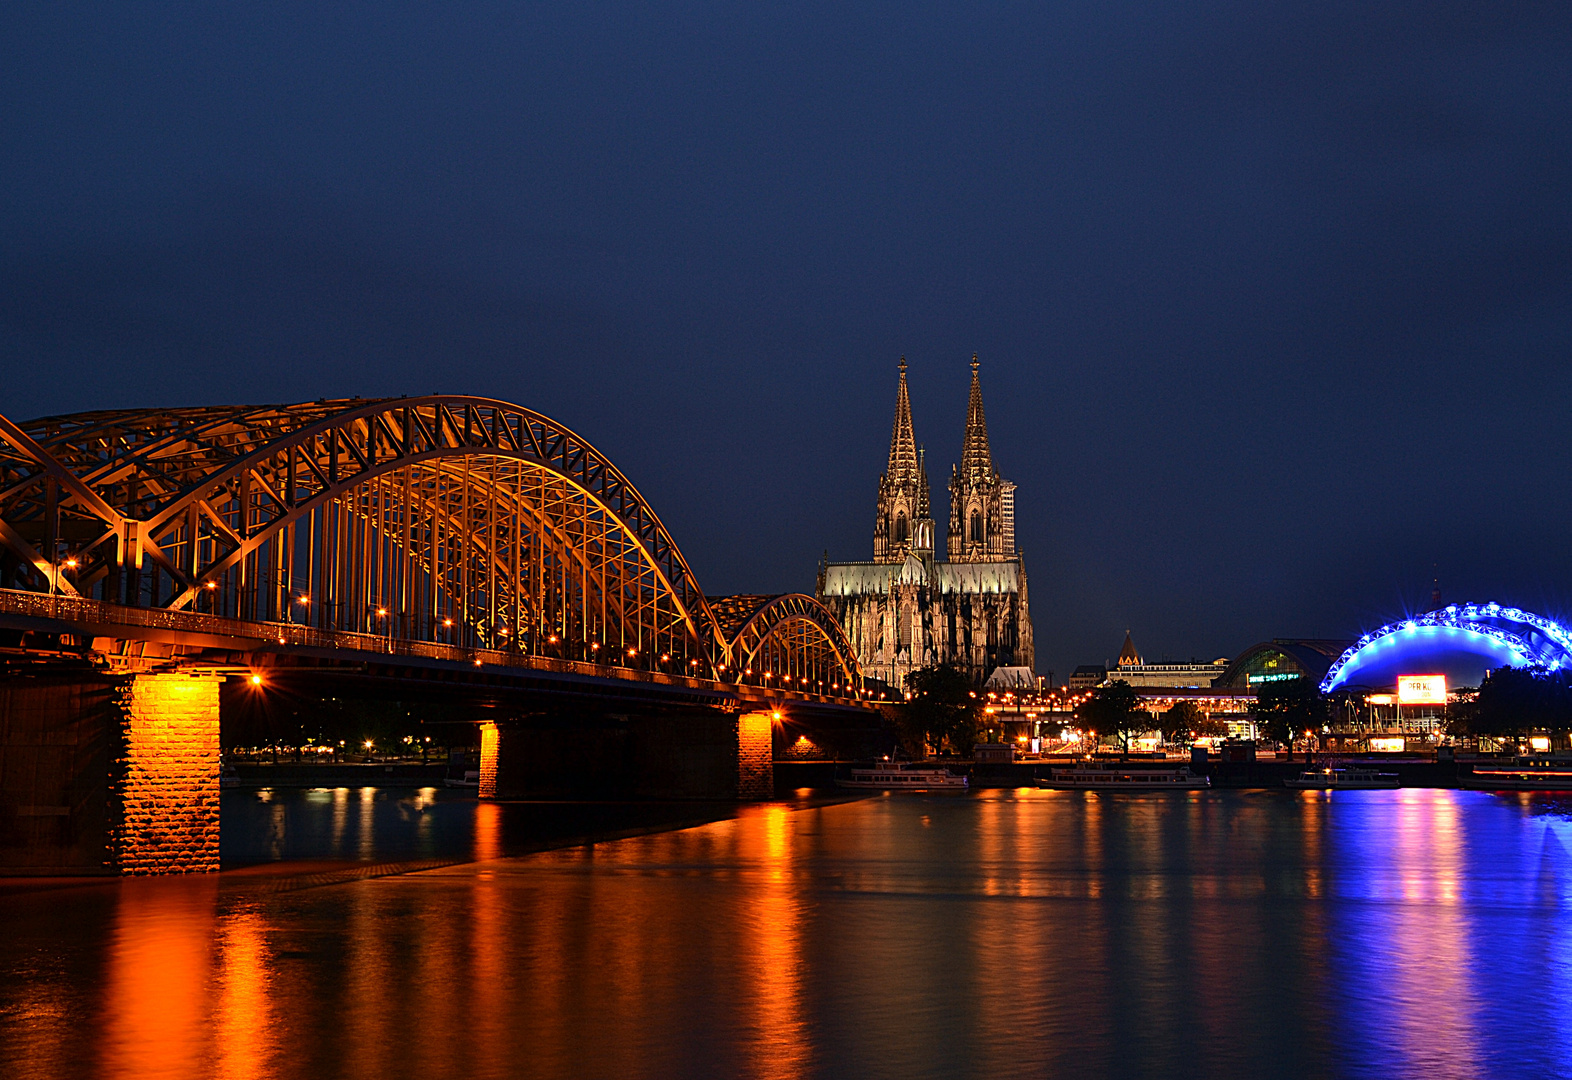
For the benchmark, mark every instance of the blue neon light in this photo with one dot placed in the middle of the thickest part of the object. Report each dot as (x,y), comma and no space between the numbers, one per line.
(1527,638)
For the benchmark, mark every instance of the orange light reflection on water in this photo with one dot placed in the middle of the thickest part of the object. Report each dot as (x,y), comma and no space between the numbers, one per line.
(244,1032)
(160,967)
(780,1049)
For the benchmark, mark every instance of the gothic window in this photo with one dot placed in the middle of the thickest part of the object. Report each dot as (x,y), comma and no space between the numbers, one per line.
(977,527)
(900,528)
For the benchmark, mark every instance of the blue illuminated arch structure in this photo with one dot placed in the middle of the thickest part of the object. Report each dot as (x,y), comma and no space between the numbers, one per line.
(1509,634)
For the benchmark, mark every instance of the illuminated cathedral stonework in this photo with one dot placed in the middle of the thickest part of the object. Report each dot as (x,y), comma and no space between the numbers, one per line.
(905,609)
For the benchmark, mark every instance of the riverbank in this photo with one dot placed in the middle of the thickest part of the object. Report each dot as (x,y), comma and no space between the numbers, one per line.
(343,774)
(793,775)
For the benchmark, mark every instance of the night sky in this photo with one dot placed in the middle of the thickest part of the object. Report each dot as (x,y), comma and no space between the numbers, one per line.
(1271,298)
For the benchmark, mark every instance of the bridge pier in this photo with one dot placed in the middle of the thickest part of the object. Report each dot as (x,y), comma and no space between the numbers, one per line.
(102,774)
(692,754)
(756,755)
(165,800)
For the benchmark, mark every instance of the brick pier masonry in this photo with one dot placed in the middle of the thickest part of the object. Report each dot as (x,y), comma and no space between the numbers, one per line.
(103,774)
(166,779)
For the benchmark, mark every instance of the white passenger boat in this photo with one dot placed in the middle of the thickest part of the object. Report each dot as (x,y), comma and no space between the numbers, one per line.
(1333,778)
(898,776)
(1100,778)
(1520,774)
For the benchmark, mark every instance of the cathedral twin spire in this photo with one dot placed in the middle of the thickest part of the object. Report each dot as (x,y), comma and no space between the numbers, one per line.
(903,445)
(982,506)
(904,525)
(975,458)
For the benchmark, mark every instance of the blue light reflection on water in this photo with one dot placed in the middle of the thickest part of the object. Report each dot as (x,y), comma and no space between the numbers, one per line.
(1448,934)
(1358,934)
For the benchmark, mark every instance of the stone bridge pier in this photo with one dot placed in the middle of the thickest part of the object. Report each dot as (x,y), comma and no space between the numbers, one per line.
(697,753)
(106,774)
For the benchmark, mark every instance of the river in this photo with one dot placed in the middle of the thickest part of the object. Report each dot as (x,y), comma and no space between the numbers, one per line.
(1412,933)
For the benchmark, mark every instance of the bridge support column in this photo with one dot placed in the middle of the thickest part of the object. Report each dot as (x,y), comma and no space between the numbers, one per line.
(165,781)
(490,748)
(755,756)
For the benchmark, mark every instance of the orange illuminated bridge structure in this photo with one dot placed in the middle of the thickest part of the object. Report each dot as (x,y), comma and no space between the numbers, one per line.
(450,542)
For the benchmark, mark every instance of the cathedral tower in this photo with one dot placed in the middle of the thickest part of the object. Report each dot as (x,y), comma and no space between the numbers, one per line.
(905,610)
(904,525)
(982,504)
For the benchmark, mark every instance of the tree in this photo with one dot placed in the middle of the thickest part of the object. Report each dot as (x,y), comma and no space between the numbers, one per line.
(1115,710)
(1209,727)
(1284,709)
(1178,722)
(942,709)
(1513,702)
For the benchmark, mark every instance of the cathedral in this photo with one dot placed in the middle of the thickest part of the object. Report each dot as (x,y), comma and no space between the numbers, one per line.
(906,609)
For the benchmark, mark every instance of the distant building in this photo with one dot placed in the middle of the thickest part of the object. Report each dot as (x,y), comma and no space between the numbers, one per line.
(1133,670)
(1087,676)
(905,609)
(1020,679)
(1281,660)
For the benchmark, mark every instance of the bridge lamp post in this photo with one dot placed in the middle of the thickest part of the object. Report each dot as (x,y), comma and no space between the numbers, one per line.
(54,583)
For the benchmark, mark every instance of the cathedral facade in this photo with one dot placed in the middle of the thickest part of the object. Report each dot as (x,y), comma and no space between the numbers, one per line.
(906,609)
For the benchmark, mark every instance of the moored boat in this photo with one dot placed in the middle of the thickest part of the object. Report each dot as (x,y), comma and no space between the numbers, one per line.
(1097,778)
(1519,774)
(1333,778)
(898,776)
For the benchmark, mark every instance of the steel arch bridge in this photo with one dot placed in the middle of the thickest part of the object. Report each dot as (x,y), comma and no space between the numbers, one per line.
(446,519)
(1522,636)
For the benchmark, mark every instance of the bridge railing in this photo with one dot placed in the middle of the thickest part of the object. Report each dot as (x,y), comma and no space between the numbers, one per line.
(82,612)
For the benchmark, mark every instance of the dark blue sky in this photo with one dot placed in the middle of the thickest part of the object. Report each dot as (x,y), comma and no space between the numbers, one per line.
(1272,298)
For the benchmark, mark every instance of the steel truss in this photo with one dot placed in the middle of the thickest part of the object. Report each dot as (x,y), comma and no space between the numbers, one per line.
(456,520)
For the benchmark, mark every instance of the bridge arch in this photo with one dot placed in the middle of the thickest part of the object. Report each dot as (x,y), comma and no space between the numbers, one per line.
(456,519)
(791,641)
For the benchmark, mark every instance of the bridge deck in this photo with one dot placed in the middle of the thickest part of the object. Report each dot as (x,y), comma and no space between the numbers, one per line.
(298,648)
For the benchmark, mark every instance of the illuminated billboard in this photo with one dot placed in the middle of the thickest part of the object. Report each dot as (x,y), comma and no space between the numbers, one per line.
(1421,689)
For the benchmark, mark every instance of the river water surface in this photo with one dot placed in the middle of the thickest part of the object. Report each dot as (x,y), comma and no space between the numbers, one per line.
(1389,934)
